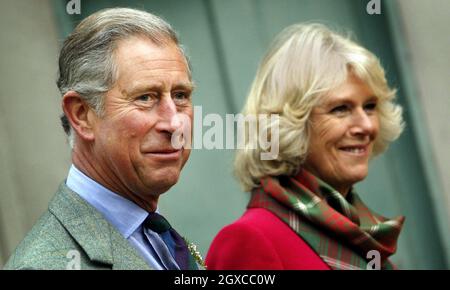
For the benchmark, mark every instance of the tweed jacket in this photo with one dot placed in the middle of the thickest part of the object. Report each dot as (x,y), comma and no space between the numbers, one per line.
(73,234)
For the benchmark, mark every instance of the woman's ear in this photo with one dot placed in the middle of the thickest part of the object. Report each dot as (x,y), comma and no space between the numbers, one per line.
(79,114)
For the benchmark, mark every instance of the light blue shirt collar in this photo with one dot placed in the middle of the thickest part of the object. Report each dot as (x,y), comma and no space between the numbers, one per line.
(122,213)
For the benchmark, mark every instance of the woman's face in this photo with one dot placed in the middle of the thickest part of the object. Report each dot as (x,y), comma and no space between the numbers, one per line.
(343,129)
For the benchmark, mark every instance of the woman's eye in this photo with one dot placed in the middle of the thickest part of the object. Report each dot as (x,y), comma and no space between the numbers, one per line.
(370,107)
(339,109)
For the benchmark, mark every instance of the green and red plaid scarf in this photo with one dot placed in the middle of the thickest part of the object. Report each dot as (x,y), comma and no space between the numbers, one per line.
(341,230)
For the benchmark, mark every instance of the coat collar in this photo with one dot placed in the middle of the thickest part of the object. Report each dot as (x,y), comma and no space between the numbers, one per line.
(98,238)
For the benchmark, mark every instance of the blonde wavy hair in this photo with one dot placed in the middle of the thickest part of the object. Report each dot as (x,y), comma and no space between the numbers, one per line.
(303,64)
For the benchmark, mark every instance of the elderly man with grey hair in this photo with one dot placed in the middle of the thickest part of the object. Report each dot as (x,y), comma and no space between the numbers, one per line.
(126,91)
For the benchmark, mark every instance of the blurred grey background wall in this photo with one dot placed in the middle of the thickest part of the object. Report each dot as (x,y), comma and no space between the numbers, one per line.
(33,152)
(226,40)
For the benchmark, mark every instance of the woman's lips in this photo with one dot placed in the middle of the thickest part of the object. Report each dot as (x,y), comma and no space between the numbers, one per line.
(358,150)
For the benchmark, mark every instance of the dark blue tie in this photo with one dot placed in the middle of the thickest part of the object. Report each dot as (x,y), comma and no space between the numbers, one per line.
(176,244)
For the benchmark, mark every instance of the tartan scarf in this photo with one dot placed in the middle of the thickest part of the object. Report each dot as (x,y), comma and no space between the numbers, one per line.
(341,230)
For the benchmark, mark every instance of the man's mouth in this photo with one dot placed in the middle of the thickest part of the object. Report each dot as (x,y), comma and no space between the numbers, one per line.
(165,154)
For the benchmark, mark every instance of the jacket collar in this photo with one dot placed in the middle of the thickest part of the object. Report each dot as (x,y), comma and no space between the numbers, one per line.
(98,238)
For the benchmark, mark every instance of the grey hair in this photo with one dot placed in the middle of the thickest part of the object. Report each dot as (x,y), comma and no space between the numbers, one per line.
(86,60)
(303,64)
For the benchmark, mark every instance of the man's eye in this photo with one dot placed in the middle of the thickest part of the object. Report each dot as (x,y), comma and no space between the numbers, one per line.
(143,98)
(146,98)
(181,96)
(339,109)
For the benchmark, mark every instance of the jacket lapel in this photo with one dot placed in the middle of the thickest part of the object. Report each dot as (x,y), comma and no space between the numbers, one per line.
(98,238)
(125,257)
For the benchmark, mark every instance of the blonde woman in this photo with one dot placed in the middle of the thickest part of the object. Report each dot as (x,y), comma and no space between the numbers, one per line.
(336,111)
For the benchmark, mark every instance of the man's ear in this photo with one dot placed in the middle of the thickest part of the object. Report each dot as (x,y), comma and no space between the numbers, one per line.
(80,115)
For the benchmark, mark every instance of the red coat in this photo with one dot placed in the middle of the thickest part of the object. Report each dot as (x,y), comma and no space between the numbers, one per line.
(259,240)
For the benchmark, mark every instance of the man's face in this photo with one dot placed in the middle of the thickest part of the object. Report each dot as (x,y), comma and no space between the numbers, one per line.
(150,99)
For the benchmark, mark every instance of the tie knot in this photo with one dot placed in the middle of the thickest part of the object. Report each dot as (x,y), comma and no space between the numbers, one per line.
(157,223)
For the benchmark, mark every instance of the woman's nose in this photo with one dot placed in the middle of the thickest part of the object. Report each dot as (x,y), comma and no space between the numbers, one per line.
(364,123)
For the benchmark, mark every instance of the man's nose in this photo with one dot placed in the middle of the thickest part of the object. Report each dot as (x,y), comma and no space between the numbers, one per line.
(362,123)
(169,120)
